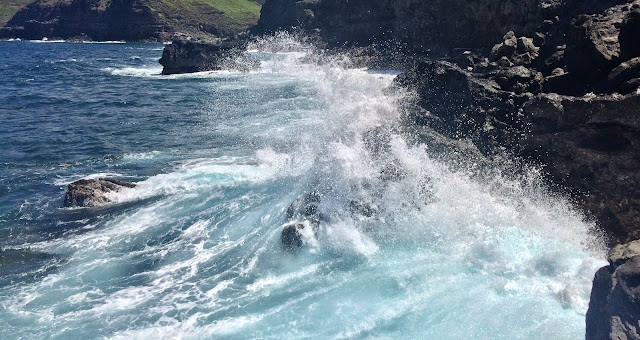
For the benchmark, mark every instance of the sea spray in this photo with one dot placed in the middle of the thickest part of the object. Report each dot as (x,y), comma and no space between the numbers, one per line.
(409,245)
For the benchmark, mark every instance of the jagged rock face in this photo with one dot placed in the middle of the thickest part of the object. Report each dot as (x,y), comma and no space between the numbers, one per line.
(93,192)
(460,105)
(614,307)
(588,144)
(419,24)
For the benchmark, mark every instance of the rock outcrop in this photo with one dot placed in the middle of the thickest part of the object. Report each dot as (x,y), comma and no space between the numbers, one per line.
(93,192)
(188,55)
(421,25)
(615,298)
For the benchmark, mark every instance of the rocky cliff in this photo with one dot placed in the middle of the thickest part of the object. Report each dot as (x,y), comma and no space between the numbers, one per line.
(614,306)
(130,20)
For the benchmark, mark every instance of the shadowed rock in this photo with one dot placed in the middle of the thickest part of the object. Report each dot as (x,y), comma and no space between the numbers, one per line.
(291,236)
(614,307)
(304,208)
(186,55)
(93,192)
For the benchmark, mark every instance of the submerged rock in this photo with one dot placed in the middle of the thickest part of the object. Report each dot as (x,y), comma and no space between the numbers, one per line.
(291,236)
(614,308)
(93,192)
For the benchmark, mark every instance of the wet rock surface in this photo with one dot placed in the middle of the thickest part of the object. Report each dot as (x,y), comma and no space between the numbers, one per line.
(615,298)
(93,192)
(302,213)
(187,55)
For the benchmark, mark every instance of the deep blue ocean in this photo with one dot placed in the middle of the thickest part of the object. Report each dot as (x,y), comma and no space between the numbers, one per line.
(194,251)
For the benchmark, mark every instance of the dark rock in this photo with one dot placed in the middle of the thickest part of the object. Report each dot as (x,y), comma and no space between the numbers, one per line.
(504,62)
(459,105)
(614,307)
(302,213)
(305,207)
(620,77)
(93,192)
(291,236)
(518,79)
(555,60)
(188,55)
(525,45)
(593,48)
(590,145)
(630,35)
(363,209)
(563,83)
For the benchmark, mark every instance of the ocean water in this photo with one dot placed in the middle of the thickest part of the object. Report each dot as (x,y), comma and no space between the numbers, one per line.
(194,251)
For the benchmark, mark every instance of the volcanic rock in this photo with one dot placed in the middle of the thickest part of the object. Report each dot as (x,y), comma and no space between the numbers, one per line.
(187,55)
(291,236)
(625,77)
(614,307)
(629,34)
(93,192)
(303,209)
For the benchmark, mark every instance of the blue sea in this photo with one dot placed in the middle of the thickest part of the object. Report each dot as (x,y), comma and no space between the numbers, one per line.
(194,251)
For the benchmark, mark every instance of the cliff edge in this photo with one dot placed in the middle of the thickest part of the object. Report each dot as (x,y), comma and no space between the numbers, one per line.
(131,20)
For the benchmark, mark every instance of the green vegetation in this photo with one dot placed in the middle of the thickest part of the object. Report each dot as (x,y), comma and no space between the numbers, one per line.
(227,17)
(233,8)
(10,7)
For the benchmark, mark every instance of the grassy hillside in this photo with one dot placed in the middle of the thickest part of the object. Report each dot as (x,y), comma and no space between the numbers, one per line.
(225,16)
(9,7)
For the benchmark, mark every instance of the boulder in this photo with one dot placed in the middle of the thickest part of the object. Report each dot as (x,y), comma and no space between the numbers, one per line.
(305,207)
(460,105)
(291,236)
(517,51)
(302,213)
(518,79)
(93,192)
(187,55)
(614,307)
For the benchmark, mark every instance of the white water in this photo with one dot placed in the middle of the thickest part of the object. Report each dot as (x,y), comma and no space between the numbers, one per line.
(447,255)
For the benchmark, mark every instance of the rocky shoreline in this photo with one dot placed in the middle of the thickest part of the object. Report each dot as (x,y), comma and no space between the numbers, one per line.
(554,83)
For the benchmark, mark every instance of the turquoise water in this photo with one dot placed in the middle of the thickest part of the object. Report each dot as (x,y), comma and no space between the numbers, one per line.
(194,251)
